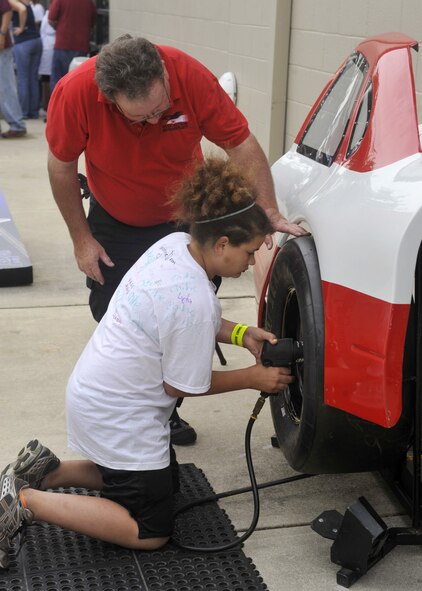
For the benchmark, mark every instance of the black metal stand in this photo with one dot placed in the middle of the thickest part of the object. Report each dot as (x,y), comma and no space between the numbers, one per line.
(220,354)
(361,538)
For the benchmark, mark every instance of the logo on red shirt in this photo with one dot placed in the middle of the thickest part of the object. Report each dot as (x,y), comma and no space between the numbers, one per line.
(175,121)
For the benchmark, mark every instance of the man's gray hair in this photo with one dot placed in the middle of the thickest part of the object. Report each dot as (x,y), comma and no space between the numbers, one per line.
(129,65)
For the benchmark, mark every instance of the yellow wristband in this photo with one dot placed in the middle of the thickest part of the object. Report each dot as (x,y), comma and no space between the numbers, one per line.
(237,334)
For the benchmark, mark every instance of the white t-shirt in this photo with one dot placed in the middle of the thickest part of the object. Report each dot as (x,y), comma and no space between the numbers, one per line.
(48,38)
(160,326)
(39,11)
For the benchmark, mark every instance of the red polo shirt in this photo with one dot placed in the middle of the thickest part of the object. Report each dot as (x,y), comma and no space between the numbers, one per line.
(133,169)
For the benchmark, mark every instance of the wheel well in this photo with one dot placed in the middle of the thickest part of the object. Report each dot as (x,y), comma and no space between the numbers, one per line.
(317,437)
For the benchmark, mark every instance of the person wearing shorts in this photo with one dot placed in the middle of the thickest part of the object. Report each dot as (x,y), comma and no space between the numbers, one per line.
(154,345)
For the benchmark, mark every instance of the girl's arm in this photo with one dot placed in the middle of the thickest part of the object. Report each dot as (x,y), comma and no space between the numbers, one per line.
(252,339)
(257,377)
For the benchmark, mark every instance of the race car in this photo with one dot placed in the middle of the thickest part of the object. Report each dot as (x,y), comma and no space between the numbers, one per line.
(353,179)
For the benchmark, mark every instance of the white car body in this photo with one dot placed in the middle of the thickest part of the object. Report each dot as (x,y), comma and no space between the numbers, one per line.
(362,203)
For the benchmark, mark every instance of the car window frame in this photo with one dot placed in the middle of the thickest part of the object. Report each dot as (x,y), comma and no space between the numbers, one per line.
(354,145)
(318,154)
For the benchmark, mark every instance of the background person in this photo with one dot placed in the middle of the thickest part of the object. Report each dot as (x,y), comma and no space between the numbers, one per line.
(73,21)
(154,344)
(138,112)
(48,38)
(39,12)
(9,101)
(27,51)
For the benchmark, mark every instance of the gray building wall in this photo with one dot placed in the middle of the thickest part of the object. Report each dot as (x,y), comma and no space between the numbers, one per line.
(324,32)
(241,36)
(282,51)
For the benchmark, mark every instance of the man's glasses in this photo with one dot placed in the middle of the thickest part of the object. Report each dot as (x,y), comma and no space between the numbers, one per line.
(146,118)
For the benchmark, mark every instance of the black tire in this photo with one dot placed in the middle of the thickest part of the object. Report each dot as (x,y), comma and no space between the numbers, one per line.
(316,438)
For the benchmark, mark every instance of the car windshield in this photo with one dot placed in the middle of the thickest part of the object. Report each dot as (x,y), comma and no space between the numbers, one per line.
(322,137)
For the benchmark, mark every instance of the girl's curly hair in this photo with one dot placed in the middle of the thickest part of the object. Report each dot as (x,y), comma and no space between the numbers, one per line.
(215,189)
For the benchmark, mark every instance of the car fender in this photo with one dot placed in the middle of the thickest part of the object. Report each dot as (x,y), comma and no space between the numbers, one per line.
(360,200)
(367,243)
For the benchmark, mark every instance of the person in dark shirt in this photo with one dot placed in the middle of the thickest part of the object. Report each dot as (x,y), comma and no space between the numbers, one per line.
(27,51)
(73,21)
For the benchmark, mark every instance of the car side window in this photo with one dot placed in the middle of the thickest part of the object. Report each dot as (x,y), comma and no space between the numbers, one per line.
(325,131)
(361,123)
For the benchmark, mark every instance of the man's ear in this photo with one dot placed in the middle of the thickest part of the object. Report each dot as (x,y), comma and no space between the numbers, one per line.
(165,72)
(221,244)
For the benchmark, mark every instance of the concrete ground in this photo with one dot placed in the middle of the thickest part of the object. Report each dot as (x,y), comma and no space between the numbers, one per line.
(45,326)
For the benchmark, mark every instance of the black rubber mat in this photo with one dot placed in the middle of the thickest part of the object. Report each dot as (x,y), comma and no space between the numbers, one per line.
(52,559)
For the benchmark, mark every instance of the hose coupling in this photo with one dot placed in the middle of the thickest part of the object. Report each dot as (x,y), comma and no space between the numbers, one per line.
(258,406)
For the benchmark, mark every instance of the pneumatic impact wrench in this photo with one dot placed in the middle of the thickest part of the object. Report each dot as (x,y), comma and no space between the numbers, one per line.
(285,353)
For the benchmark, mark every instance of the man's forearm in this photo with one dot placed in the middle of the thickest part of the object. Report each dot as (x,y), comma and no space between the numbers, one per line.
(65,186)
(250,157)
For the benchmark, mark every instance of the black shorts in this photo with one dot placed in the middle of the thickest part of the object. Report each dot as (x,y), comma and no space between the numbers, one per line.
(147,495)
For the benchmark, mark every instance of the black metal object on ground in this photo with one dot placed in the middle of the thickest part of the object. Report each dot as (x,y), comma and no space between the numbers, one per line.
(361,537)
(53,559)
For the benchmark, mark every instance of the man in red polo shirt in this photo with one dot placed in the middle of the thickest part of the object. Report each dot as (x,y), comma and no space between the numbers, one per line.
(73,21)
(138,112)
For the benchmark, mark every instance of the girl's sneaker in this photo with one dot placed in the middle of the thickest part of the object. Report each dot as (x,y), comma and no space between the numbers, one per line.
(33,463)
(13,515)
